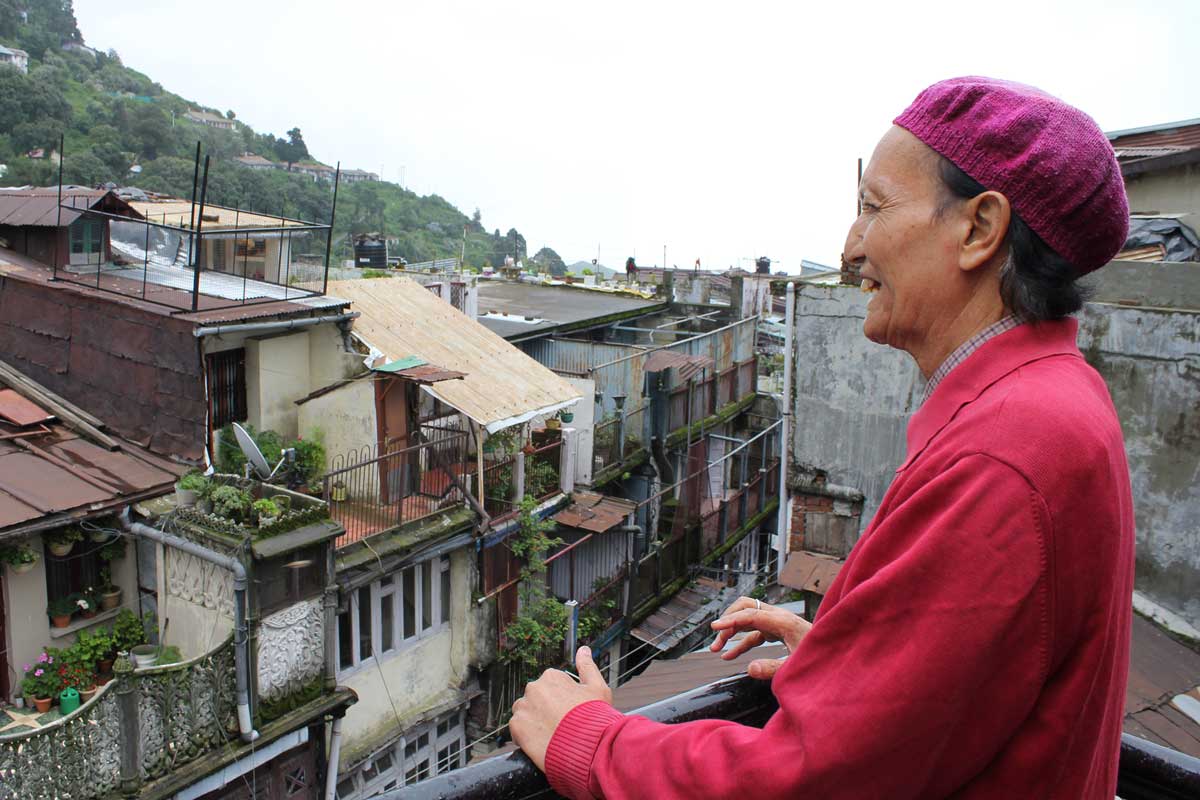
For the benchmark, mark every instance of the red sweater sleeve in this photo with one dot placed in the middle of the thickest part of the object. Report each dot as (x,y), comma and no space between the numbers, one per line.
(910,683)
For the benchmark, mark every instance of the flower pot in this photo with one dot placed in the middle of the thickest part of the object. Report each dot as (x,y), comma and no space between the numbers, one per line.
(185,497)
(567,416)
(91,612)
(21,569)
(110,600)
(283,501)
(553,424)
(87,694)
(104,666)
(61,549)
(98,536)
(61,620)
(19,701)
(204,505)
(144,655)
(42,703)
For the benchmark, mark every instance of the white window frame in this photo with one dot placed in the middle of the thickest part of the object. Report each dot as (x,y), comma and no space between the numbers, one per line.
(455,737)
(391,590)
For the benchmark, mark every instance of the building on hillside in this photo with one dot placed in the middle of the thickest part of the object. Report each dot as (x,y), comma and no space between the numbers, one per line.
(358,175)
(14,57)
(33,224)
(208,118)
(80,47)
(257,162)
(318,172)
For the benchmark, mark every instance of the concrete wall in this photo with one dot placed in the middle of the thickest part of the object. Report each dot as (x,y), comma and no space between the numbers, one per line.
(1150,359)
(853,399)
(197,597)
(345,417)
(420,676)
(277,375)
(1169,191)
(27,628)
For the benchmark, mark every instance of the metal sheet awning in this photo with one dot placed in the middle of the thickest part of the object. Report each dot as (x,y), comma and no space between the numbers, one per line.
(418,370)
(595,512)
(810,572)
(21,412)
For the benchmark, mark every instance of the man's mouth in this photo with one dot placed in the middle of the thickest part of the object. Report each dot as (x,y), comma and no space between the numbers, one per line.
(869,285)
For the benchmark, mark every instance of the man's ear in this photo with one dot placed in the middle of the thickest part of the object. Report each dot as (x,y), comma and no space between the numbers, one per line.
(987,216)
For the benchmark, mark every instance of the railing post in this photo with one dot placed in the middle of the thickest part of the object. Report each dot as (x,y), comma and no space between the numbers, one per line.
(568,445)
(131,734)
(572,631)
(723,522)
(619,399)
(743,462)
(518,486)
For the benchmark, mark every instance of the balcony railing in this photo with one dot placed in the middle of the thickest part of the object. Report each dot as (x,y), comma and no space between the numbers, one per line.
(369,492)
(1147,771)
(139,727)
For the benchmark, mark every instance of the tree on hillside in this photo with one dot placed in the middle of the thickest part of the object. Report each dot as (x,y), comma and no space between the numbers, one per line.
(27,99)
(547,260)
(151,130)
(292,149)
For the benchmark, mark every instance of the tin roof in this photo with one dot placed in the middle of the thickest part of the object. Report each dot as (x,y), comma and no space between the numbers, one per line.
(594,512)
(668,677)
(53,471)
(685,365)
(38,207)
(501,386)
(810,572)
(178,213)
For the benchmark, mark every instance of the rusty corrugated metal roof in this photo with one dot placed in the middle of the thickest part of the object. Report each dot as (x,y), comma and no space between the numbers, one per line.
(21,412)
(500,384)
(595,512)
(39,207)
(685,365)
(810,572)
(1186,135)
(58,472)
(668,677)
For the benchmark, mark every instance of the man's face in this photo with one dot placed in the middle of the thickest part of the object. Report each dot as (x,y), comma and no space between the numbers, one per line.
(907,254)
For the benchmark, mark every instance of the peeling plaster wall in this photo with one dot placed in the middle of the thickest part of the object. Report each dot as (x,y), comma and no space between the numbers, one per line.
(853,398)
(1150,359)
(345,417)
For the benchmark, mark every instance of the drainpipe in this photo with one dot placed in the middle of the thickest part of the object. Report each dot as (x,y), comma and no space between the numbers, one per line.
(241,635)
(277,325)
(335,753)
(783,521)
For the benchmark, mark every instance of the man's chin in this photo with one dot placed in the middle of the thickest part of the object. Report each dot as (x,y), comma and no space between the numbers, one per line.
(876,333)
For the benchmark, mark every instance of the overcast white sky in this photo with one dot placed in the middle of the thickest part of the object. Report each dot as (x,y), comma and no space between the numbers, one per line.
(721,130)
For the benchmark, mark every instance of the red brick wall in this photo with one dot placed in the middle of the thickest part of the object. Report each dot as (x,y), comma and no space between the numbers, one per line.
(137,371)
(821,525)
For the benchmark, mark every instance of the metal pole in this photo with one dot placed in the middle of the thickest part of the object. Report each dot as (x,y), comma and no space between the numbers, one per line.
(783,520)
(192,222)
(572,630)
(332,215)
(198,227)
(62,140)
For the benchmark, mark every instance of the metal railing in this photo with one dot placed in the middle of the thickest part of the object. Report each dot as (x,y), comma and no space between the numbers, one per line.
(369,491)
(499,485)
(1147,771)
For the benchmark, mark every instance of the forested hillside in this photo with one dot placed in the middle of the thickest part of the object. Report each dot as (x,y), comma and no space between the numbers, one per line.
(116,120)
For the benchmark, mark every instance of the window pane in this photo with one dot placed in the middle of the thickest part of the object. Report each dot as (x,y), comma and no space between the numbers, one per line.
(345,654)
(410,602)
(364,623)
(387,621)
(444,611)
(427,595)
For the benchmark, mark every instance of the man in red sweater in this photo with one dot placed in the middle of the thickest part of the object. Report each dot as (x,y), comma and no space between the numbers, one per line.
(976,642)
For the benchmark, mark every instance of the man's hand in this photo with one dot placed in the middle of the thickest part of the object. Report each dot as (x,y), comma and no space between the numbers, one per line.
(548,699)
(766,623)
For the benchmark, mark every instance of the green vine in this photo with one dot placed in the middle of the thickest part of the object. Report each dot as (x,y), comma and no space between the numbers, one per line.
(535,637)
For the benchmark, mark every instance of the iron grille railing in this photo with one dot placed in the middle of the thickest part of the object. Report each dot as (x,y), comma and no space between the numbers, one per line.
(370,492)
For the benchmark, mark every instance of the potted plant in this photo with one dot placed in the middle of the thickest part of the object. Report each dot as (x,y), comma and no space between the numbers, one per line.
(144,655)
(190,488)
(77,672)
(61,540)
(110,595)
(265,511)
(20,557)
(92,647)
(566,416)
(88,603)
(553,423)
(128,631)
(60,610)
(230,502)
(283,501)
(40,684)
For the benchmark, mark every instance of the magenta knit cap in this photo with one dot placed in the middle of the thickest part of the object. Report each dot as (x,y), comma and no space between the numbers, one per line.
(1051,160)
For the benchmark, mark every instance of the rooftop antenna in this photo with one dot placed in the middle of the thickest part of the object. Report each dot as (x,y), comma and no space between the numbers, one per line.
(254,457)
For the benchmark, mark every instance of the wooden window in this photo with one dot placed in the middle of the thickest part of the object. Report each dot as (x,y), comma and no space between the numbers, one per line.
(73,573)
(227,387)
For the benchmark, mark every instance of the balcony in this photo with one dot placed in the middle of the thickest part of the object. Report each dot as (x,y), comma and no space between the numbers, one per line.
(1147,771)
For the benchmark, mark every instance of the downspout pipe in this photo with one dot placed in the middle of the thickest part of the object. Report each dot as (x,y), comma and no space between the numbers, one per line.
(783,521)
(335,754)
(241,635)
(275,325)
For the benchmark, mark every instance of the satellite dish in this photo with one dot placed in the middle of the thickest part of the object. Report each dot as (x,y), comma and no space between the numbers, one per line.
(250,450)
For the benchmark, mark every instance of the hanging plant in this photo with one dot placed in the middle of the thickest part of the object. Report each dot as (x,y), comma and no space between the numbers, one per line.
(541,625)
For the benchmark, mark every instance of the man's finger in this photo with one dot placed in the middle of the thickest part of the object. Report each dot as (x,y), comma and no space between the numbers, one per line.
(747,642)
(764,668)
(589,673)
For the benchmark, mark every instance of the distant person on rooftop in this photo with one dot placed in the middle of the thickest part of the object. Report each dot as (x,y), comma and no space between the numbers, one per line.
(976,641)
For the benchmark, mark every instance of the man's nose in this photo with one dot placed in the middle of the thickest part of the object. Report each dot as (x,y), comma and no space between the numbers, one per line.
(852,250)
